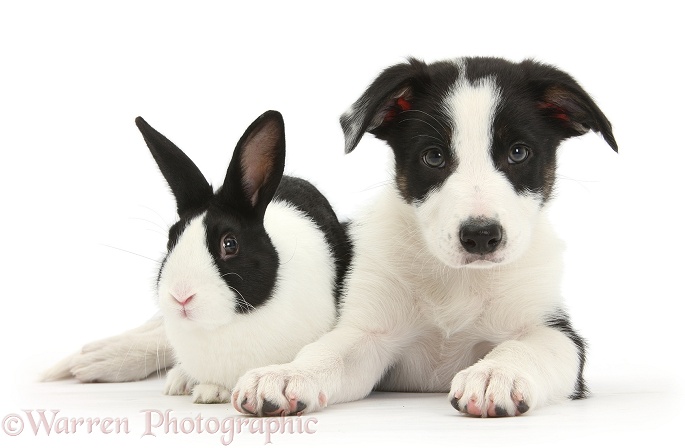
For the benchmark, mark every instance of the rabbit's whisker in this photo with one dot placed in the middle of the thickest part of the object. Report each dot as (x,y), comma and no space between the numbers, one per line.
(132,253)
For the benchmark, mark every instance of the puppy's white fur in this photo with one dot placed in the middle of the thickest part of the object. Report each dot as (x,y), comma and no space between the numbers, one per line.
(416,311)
(413,321)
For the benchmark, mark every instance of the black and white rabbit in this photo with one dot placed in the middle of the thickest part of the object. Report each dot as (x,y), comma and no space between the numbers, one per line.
(253,273)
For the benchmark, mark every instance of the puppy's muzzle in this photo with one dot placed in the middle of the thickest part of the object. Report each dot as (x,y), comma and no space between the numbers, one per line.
(480,236)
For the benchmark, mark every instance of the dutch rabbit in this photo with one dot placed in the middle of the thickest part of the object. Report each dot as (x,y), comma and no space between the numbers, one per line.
(253,273)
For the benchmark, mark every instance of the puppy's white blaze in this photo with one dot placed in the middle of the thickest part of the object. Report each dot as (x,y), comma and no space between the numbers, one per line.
(472,108)
(476,189)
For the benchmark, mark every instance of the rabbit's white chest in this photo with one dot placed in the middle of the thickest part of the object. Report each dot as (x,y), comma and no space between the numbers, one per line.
(219,356)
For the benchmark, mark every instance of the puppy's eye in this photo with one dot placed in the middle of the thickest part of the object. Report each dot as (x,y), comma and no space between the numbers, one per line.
(518,153)
(433,157)
(229,247)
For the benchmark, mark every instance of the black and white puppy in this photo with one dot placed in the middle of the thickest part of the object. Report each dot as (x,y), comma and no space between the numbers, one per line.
(455,281)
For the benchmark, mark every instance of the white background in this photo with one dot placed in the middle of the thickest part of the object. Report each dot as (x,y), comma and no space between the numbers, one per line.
(83,204)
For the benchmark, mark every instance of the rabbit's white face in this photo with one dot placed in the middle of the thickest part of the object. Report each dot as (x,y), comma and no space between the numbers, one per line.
(190,287)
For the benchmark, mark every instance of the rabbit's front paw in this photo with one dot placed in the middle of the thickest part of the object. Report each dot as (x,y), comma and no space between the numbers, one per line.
(178,382)
(211,393)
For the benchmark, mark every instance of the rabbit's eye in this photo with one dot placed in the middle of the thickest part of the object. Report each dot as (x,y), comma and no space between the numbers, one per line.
(229,247)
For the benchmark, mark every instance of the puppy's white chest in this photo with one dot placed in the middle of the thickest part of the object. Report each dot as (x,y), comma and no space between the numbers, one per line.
(458,303)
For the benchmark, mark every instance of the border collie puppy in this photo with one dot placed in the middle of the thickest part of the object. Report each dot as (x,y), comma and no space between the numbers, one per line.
(454,285)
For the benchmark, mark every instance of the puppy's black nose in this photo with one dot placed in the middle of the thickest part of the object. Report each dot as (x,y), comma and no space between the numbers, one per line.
(480,238)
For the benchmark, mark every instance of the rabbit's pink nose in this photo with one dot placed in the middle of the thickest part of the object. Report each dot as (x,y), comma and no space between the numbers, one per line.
(184,300)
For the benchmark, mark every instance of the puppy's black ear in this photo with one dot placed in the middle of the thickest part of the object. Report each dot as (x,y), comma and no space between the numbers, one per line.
(387,96)
(257,166)
(569,109)
(189,186)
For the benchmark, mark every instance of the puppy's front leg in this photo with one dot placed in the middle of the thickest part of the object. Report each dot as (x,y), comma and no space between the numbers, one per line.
(342,366)
(519,375)
(345,364)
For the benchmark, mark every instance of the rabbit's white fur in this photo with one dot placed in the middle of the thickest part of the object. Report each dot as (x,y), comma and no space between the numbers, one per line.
(230,306)
(217,344)
(130,356)
(216,357)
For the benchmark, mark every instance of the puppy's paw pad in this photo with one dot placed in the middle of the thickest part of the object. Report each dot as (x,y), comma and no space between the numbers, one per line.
(489,390)
(277,390)
(247,406)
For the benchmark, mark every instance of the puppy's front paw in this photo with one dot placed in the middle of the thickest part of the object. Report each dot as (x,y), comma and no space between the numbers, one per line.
(178,382)
(211,393)
(488,389)
(277,390)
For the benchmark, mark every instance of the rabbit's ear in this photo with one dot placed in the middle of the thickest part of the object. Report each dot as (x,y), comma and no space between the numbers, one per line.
(189,186)
(257,166)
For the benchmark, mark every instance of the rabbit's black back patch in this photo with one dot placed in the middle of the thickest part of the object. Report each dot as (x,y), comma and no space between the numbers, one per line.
(307,198)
